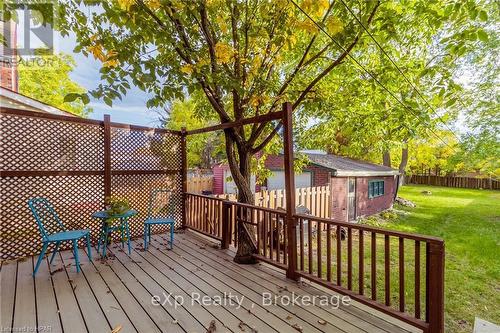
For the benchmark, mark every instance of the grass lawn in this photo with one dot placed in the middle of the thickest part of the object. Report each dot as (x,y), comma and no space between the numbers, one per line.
(468,221)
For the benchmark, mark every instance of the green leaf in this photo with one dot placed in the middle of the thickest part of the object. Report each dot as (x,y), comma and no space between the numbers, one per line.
(482,35)
(71,97)
(483,16)
(108,101)
(85,98)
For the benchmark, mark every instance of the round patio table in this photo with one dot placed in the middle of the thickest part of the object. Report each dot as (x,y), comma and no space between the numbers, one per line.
(108,228)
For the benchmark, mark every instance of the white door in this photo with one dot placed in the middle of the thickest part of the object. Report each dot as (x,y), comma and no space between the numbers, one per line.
(277,180)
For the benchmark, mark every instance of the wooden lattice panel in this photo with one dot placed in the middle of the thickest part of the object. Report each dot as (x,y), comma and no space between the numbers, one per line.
(137,189)
(75,198)
(144,150)
(41,144)
(62,159)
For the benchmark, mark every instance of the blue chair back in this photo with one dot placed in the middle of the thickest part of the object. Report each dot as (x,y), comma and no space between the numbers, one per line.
(46,217)
(160,204)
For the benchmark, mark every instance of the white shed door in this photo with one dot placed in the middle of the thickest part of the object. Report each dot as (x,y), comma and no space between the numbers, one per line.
(277,180)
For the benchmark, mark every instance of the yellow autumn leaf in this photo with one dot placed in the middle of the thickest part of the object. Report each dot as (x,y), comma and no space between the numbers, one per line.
(187,69)
(307,26)
(153,4)
(111,63)
(334,25)
(223,53)
(125,4)
(97,51)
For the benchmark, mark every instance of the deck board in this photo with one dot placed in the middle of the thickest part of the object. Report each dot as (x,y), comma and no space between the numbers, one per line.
(365,320)
(118,292)
(47,309)
(25,307)
(7,293)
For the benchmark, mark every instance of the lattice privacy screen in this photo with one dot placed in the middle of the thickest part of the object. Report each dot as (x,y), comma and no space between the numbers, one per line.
(62,160)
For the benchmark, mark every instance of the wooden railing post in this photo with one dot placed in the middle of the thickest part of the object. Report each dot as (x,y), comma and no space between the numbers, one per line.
(183,175)
(291,272)
(226,225)
(107,156)
(435,292)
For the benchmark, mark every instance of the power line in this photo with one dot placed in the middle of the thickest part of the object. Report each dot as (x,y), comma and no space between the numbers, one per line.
(398,68)
(366,70)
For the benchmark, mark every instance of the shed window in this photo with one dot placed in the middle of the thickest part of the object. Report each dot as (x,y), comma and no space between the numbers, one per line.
(375,188)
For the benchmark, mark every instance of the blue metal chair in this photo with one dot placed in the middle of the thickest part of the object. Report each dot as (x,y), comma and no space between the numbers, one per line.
(53,231)
(160,212)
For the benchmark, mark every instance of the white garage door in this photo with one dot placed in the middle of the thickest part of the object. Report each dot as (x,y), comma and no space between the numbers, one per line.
(230,185)
(277,180)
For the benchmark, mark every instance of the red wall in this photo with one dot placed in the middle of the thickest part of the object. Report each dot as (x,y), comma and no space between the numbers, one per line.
(366,206)
(218,183)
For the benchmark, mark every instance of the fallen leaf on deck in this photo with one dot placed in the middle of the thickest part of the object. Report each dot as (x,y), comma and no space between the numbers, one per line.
(114,307)
(288,317)
(117,329)
(60,269)
(174,321)
(242,326)
(108,291)
(212,328)
(322,322)
(298,327)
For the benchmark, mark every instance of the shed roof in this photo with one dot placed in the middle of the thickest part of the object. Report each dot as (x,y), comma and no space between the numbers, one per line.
(343,166)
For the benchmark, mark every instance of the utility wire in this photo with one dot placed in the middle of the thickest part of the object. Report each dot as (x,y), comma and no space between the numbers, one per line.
(398,68)
(366,70)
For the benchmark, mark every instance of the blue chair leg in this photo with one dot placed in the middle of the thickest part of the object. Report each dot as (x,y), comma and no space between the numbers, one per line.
(99,242)
(75,251)
(128,238)
(40,257)
(105,245)
(149,232)
(89,253)
(171,236)
(121,235)
(54,253)
(145,236)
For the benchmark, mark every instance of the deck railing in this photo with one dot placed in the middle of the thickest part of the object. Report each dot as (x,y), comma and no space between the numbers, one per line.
(398,273)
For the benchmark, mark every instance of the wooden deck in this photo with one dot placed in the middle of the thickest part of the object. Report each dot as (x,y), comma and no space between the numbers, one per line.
(118,293)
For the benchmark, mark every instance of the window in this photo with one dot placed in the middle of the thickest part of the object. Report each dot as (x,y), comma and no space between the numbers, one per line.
(375,188)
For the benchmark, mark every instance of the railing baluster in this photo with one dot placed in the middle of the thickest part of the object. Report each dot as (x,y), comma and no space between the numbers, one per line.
(349,258)
(301,242)
(309,246)
(278,239)
(271,237)
(374,266)
(264,240)
(285,241)
(401,274)
(328,253)
(258,230)
(339,255)
(361,262)
(387,271)
(318,250)
(417,279)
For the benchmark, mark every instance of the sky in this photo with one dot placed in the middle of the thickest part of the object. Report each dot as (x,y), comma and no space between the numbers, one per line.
(132,109)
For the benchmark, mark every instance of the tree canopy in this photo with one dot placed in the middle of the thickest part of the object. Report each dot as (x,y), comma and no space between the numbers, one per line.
(48,81)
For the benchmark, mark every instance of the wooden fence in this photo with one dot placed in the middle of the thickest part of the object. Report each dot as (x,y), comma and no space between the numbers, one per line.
(461,182)
(316,199)
(199,184)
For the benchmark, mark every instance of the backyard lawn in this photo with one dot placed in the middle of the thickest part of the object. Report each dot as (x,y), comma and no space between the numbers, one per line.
(468,221)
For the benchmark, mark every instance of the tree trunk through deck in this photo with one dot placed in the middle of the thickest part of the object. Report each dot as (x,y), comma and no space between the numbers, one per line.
(241,172)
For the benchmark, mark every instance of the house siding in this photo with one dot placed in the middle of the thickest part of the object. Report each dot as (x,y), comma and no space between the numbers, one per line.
(320,176)
(218,174)
(369,206)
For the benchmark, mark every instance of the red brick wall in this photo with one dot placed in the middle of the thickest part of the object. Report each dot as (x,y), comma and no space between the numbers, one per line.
(338,193)
(367,206)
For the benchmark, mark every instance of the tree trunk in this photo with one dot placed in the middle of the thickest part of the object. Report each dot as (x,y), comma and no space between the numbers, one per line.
(387,158)
(402,165)
(241,174)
